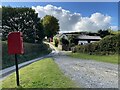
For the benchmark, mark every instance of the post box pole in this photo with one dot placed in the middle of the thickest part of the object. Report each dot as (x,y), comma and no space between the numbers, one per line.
(17,72)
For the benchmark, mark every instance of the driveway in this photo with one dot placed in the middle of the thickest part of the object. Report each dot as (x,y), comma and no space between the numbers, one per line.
(88,73)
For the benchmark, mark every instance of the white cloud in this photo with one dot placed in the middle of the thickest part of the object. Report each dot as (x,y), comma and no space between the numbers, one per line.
(115,28)
(0,6)
(94,23)
(74,21)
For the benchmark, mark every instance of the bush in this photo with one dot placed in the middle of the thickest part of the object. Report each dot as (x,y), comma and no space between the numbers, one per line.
(56,42)
(31,51)
(108,45)
(65,41)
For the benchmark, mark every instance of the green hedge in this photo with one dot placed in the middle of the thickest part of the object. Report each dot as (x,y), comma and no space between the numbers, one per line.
(106,46)
(31,51)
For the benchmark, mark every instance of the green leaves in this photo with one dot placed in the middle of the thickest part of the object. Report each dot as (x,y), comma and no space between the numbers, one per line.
(31,51)
(108,45)
(24,20)
(51,25)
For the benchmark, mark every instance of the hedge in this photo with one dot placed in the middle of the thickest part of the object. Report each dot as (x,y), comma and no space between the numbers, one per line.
(31,51)
(108,45)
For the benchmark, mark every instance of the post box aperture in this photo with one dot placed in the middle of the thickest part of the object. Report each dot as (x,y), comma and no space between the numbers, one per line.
(15,43)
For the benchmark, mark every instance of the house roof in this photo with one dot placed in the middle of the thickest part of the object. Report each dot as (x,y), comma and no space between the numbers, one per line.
(89,37)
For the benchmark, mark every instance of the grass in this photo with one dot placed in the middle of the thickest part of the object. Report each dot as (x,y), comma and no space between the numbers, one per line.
(103,58)
(41,74)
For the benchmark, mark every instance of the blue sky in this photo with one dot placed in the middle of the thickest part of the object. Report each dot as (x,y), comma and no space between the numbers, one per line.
(86,9)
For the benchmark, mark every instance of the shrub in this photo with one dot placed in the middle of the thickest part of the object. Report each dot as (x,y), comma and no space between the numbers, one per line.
(56,42)
(65,41)
(31,51)
(108,45)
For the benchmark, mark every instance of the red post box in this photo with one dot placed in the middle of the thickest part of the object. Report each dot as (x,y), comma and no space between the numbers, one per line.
(15,43)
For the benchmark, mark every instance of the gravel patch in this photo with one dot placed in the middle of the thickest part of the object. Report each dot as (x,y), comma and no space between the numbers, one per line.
(89,73)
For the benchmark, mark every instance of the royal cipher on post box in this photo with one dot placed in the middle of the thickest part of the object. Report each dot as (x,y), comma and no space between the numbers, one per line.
(15,43)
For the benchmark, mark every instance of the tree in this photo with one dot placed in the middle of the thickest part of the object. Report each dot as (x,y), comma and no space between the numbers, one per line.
(64,41)
(24,20)
(71,39)
(51,25)
(39,33)
(103,33)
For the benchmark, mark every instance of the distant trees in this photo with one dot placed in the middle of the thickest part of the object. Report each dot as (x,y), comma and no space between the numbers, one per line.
(24,20)
(51,25)
(104,33)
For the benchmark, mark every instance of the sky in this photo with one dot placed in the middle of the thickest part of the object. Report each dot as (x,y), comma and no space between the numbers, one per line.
(76,16)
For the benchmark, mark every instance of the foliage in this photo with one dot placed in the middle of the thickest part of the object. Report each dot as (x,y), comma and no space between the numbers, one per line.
(108,45)
(56,42)
(31,51)
(72,40)
(41,74)
(51,25)
(24,20)
(104,33)
(114,32)
(64,41)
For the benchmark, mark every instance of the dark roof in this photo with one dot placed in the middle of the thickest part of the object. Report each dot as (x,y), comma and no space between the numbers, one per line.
(89,37)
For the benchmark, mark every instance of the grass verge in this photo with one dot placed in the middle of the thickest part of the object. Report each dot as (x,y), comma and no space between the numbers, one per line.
(41,74)
(103,58)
